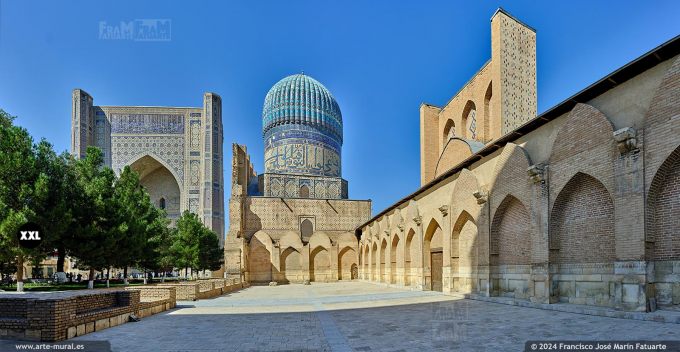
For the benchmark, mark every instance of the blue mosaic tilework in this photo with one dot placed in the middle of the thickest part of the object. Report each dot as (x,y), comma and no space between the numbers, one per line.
(300,99)
(302,128)
(147,123)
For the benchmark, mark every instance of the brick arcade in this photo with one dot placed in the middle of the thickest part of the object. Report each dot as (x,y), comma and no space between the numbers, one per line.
(577,205)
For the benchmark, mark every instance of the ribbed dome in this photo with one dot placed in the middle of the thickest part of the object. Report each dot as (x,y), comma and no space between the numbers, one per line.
(301,100)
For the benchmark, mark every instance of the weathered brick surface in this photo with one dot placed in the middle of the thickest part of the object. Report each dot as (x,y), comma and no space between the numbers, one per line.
(502,94)
(184,291)
(51,317)
(582,224)
(511,234)
(664,210)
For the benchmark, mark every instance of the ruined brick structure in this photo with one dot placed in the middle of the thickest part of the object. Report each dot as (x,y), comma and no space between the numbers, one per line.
(294,223)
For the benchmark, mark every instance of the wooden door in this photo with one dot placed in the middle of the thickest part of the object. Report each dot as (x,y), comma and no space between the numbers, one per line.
(436,263)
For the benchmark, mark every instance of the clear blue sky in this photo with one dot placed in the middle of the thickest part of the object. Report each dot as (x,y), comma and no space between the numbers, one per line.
(380,59)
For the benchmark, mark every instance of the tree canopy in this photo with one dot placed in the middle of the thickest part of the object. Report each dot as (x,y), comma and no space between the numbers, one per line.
(89,213)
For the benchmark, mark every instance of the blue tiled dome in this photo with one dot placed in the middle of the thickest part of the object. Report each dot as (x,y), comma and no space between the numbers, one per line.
(300,99)
(302,128)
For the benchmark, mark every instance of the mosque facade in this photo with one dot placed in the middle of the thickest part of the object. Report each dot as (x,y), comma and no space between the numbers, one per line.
(293,223)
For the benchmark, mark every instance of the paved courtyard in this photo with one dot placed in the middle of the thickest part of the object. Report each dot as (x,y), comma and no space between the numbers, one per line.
(361,317)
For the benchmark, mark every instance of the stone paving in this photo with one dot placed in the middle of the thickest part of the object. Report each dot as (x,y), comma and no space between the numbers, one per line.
(361,317)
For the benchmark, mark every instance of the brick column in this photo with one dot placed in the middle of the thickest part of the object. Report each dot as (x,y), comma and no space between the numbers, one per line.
(540,282)
(419,279)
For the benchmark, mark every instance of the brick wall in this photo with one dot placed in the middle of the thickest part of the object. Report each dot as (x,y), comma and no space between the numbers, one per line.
(184,291)
(94,302)
(607,206)
(582,223)
(56,316)
(664,209)
(511,234)
(155,293)
(455,151)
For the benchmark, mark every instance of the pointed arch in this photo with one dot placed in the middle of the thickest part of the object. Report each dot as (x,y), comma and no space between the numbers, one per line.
(347,238)
(365,263)
(462,198)
(306,228)
(469,121)
(374,266)
(393,258)
(488,110)
(586,128)
(511,240)
(383,250)
(663,210)
(291,265)
(409,254)
(320,239)
(319,265)
(259,257)
(140,157)
(291,239)
(449,131)
(582,223)
(161,182)
(433,237)
(464,256)
(346,260)
(433,259)
(455,150)
(304,191)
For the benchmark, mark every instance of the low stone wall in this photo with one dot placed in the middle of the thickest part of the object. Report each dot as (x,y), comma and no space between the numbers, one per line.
(209,288)
(61,315)
(154,299)
(184,291)
(56,316)
(203,288)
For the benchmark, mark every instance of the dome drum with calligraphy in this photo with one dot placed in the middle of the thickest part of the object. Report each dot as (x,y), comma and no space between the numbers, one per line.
(302,128)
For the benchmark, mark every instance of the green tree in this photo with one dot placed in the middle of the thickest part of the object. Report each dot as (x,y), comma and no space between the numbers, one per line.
(210,254)
(23,187)
(97,226)
(185,244)
(158,235)
(166,260)
(133,214)
(194,245)
(57,212)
